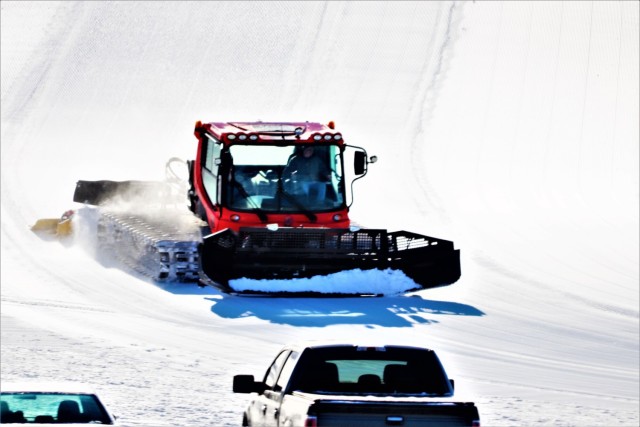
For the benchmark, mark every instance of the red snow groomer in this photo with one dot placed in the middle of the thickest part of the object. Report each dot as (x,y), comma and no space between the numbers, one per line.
(272,198)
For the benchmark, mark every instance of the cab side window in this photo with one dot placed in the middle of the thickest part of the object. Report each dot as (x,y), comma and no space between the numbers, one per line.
(286,372)
(210,167)
(272,373)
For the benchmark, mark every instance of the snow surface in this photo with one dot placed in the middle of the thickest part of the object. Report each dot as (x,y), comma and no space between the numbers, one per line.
(510,128)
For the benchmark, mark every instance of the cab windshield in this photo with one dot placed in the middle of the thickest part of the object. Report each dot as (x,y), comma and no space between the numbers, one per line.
(289,179)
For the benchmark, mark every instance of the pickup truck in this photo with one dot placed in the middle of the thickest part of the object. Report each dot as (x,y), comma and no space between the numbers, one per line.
(326,385)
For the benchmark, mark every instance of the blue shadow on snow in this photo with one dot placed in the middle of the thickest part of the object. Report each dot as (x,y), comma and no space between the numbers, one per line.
(388,311)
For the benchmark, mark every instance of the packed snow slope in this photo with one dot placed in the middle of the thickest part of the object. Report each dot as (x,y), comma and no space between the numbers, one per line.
(510,128)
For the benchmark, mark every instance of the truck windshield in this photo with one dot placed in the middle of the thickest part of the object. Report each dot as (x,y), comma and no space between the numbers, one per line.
(286,179)
(387,371)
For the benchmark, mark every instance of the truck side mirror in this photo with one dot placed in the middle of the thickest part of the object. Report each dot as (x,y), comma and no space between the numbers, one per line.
(359,162)
(247,384)
(453,385)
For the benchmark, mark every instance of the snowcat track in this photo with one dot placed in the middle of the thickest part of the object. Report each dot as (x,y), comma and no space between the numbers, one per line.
(160,250)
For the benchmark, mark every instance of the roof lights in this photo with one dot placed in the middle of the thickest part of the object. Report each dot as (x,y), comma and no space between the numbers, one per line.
(327,137)
(242,136)
(254,137)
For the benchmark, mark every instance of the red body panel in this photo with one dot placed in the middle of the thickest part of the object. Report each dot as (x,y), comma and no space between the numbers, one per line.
(284,220)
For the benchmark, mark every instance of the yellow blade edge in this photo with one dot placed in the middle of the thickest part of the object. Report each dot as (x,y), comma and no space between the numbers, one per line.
(46,225)
(53,226)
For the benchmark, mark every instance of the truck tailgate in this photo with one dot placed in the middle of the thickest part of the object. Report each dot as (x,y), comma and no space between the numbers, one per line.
(383,414)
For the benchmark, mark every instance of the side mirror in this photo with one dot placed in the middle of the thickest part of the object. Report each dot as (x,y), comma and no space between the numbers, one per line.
(453,385)
(359,162)
(247,384)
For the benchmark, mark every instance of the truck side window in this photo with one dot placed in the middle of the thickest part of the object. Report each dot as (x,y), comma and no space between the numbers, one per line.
(287,369)
(272,373)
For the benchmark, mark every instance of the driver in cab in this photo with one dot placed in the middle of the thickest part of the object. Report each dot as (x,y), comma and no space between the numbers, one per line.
(310,173)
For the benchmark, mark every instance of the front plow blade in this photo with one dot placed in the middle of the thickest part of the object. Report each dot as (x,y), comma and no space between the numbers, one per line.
(287,253)
(54,227)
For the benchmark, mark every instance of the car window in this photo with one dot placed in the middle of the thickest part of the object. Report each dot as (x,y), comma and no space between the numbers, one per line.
(52,408)
(350,371)
(287,369)
(272,373)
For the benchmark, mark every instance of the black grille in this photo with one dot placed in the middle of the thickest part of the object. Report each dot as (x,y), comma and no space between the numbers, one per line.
(306,240)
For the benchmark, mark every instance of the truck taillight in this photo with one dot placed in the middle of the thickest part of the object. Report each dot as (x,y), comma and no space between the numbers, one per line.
(311,422)
(475,423)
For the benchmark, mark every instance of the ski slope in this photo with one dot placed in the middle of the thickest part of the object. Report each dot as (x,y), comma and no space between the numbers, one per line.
(510,128)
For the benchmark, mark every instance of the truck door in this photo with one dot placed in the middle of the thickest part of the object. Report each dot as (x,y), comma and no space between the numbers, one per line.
(265,408)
